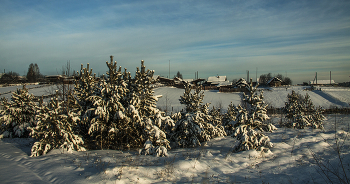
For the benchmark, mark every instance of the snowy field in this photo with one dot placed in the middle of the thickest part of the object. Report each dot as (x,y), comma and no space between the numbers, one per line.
(290,160)
(276,97)
(328,97)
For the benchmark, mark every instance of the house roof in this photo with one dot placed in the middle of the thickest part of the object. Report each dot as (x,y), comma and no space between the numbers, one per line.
(242,82)
(274,79)
(187,80)
(217,79)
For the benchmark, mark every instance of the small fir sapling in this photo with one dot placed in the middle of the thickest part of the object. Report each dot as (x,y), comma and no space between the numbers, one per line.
(157,142)
(215,117)
(251,122)
(301,112)
(56,128)
(156,125)
(195,125)
(18,114)
(229,118)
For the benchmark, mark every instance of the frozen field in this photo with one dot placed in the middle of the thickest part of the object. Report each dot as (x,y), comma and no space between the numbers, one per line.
(275,97)
(290,161)
(327,97)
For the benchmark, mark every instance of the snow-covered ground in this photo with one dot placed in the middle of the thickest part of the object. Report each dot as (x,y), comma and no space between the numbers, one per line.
(327,97)
(290,160)
(171,95)
(37,90)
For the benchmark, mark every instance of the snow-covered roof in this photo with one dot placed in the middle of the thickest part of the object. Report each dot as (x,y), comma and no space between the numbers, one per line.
(217,79)
(322,82)
(242,82)
(274,79)
(187,80)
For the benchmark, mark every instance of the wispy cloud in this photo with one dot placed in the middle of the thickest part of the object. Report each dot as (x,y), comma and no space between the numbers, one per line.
(224,37)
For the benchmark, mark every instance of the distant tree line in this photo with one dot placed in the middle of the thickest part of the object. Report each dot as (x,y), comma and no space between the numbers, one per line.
(33,75)
(9,78)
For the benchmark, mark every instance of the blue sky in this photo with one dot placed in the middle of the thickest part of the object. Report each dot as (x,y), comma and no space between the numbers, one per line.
(293,38)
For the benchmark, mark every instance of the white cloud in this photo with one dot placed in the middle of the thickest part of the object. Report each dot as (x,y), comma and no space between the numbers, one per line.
(211,37)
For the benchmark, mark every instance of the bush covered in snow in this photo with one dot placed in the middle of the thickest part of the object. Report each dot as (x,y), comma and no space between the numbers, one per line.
(18,114)
(56,128)
(301,112)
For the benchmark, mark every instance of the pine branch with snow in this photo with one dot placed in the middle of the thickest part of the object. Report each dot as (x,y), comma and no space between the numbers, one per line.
(251,139)
(157,142)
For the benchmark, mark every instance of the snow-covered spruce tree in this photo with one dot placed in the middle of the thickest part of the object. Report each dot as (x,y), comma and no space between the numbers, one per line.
(251,122)
(124,113)
(56,128)
(229,119)
(18,114)
(215,116)
(301,112)
(195,125)
(85,87)
(107,113)
(141,86)
(156,129)
(156,125)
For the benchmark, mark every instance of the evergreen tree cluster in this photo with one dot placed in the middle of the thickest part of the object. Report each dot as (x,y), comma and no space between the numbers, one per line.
(119,112)
(301,112)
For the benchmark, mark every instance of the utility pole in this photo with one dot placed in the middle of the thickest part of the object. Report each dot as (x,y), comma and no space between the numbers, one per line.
(169,69)
(247,75)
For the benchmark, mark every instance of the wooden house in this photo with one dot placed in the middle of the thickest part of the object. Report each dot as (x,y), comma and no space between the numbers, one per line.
(274,82)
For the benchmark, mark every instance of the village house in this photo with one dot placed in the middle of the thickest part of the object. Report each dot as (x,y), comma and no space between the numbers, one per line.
(274,82)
